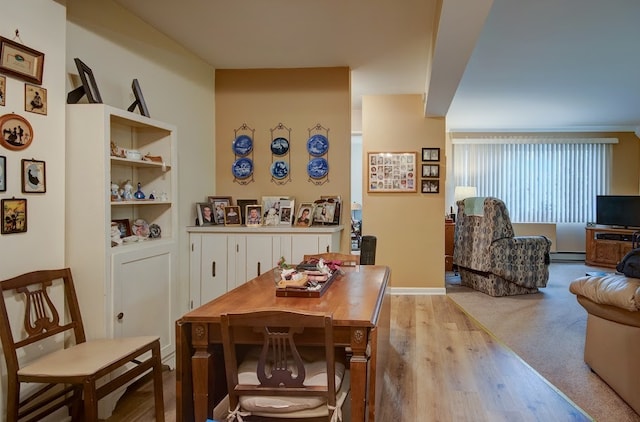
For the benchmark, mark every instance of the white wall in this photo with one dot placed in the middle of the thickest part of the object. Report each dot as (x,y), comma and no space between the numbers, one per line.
(178,88)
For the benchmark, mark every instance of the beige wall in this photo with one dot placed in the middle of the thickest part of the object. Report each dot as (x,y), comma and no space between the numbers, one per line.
(625,177)
(409,227)
(299,99)
(177,86)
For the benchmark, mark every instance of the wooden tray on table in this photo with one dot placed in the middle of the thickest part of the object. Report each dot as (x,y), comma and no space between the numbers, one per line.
(318,291)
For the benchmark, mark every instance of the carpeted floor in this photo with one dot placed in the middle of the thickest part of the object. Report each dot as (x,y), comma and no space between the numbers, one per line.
(547,331)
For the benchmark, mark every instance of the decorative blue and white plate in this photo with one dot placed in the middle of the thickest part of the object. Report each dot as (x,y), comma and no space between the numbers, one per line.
(317,168)
(242,145)
(318,145)
(279,169)
(242,168)
(280,146)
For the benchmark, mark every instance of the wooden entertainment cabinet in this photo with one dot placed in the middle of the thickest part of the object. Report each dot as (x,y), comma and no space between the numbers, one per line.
(605,246)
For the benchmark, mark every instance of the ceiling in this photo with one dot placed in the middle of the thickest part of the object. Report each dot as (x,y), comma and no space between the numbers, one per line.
(492,65)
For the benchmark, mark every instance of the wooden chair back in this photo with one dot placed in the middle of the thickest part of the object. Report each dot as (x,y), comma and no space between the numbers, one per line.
(348,260)
(280,333)
(47,315)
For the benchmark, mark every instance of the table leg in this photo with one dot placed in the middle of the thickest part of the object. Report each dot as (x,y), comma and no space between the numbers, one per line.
(202,373)
(358,368)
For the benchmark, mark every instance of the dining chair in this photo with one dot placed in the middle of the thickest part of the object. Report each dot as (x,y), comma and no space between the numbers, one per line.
(347,260)
(291,371)
(77,372)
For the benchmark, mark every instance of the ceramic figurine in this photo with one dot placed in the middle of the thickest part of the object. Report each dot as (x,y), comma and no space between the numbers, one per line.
(139,194)
(128,191)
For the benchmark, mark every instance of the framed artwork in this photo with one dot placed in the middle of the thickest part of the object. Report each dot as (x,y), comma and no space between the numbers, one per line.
(271,206)
(3,173)
(254,215)
(304,216)
(89,87)
(3,90)
(232,215)
(21,61)
(430,186)
(14,216)
(17,133)
(206,216)
(124,226)
(242,203)
(286,214)
(33,176)
(219,202)
(35,99)
(430,170)
(391,172)
(430,154)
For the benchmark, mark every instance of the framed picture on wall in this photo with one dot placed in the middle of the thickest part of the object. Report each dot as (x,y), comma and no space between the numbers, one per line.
(391,172)
(14,216)
(430,186)
(3,173)
(430,170)
(33,176)
(430,154)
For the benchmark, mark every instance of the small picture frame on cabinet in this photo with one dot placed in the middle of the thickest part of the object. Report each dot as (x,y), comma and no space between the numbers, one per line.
(124,225)
(14,216)
(242,203)
(253,215)
(232,215)
(219,202)
(304,216)
(206,214)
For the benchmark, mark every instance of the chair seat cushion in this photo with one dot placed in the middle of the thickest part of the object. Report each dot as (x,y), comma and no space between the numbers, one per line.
(85,358)
(316,375)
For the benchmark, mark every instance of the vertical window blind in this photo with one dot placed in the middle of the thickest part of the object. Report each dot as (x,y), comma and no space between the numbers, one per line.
(539,182)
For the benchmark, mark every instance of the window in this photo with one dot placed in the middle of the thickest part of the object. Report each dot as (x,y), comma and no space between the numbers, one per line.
(540,180)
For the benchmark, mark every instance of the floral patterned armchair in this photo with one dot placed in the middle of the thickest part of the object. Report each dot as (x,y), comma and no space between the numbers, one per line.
(488,255)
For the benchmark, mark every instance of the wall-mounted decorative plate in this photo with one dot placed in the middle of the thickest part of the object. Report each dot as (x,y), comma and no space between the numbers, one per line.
(279,169)
(279,146)
(317,145)
(242,168)
(317,168)
(242,145)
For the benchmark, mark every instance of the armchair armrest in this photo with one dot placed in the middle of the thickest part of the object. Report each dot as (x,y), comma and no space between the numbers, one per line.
(523,260)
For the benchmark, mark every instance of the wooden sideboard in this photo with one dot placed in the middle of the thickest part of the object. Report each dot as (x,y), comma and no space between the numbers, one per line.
(605,247)
(449,230)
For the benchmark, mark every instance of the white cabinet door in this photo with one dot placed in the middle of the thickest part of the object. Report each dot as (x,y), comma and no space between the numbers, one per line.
(259,255)
(213,260)
(143,294)
(302,244)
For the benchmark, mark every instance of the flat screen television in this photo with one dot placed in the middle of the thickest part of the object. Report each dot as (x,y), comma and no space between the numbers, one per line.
(618,210)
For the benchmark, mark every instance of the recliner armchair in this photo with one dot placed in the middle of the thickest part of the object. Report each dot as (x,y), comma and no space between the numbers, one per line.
(488,255)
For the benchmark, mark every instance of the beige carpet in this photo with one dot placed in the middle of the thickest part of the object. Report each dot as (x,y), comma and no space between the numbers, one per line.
(547,331)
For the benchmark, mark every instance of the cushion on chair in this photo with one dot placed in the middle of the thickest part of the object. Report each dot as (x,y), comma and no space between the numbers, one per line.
(316,375)
(84,358)
(611,289)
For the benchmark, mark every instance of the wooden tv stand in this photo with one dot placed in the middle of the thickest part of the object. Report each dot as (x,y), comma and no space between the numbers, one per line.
(605,246)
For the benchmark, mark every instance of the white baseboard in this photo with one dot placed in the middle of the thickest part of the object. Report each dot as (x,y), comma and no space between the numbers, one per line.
(567,256)
(418,291)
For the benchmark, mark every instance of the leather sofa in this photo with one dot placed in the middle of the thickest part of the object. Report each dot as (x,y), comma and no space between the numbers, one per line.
(490,258)
(612,344)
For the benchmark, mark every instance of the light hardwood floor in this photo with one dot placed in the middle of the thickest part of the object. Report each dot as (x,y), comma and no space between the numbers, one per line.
(442,367)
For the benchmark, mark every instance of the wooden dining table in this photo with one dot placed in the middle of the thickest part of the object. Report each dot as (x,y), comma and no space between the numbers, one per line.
(359,300)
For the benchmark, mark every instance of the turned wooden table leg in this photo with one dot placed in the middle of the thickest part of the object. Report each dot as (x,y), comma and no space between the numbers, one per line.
(358,368)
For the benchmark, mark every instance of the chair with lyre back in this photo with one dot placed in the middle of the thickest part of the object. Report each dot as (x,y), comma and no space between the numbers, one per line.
(347,260)
(292,374)
(72,372)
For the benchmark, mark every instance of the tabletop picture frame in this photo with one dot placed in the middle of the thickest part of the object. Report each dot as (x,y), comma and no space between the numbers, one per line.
(21,61)
(89,87)
(242,203)
(201,211)
(232,215)
(391,172)
(219,202)
(124,225)
(251,220)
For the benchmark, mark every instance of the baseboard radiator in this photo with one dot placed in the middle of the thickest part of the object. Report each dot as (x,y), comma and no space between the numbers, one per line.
(567,256)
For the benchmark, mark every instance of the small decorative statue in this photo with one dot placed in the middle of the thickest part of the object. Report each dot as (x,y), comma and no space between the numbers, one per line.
(128,191)
(115,235)
(115,195)
(139,194)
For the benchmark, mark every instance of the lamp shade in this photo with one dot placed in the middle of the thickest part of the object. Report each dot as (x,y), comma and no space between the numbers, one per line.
(462,192)
(356,206)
